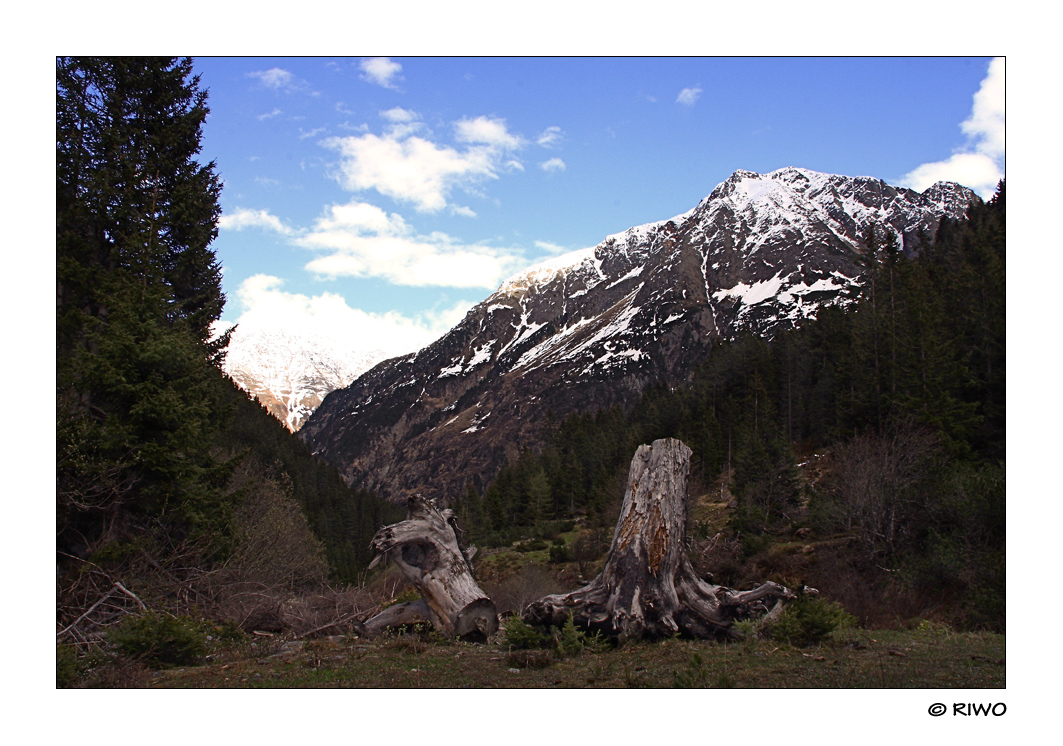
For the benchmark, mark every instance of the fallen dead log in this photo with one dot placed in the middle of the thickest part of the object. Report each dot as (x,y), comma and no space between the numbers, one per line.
(425,547)
(648,587)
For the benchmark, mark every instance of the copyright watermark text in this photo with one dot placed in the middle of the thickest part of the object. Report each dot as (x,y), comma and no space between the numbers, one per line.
(969,709)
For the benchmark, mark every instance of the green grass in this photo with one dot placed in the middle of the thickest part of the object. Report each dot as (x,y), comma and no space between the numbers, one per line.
(927,655)
(920,658)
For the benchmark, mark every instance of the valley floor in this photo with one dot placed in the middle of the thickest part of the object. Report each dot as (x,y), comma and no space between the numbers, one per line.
(931,657)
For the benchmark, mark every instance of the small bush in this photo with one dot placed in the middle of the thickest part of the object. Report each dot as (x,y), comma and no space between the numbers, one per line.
(570,640)
(930,628)
(228,631)
(559,553)
(67,666)
(567,642)
(160,640)
(754,543)
(522,636)
(809,620)
(748,633)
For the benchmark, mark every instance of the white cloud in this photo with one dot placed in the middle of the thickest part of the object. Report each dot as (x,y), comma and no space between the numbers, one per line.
(550,137)
(273,78)
(398,114)
(242,218)
(554,164)
(403,122)
(361,240)
(361,217)
(979,163)
(985,126)
(975,170)
(267,306)
(310,133)
(279,80)
(551,248)
(409,169)
(270,115)
(688,96)
(382,71)
(414,169)
(487,131)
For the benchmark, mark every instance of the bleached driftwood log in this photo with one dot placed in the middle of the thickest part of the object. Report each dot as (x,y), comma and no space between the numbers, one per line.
(648,587)
(425,547)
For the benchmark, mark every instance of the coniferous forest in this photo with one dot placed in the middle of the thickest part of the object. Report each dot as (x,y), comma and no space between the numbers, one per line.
(169,480)
(903,394)
(878,428)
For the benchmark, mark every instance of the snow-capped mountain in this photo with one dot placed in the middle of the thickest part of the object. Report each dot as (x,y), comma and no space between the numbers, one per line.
(592,328)
(290,373)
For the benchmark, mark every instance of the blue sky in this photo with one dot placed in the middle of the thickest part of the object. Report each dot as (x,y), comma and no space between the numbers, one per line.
(376,199)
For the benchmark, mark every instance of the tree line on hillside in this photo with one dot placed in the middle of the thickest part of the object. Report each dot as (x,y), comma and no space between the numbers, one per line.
(170,481)
(904,389)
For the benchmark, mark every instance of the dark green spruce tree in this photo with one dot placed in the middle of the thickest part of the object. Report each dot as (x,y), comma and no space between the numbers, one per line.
(138,394)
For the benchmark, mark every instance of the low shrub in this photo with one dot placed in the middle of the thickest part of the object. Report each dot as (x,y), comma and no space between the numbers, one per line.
(227,631)
(67,666)
(567,641)
(559,553)
(160,640)
(571,641)
(931,628)
(809,620)
(522,636)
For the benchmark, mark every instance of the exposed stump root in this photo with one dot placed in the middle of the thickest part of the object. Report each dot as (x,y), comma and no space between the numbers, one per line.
(425,547)
(648,587)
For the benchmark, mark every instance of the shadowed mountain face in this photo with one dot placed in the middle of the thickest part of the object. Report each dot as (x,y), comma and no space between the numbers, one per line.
(592,329)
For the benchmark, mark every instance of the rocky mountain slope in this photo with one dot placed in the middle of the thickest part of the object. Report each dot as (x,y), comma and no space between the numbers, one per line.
(291,373)
(591,329)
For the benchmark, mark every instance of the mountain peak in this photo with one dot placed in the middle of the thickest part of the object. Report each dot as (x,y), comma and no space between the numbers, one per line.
(590,329)
(290,372)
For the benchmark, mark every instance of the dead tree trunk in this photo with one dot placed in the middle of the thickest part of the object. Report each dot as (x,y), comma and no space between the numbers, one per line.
(425,547)
(648,587)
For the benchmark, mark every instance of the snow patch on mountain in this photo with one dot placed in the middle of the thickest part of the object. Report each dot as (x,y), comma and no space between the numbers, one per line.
(587,330)
(546,270)
(290,373)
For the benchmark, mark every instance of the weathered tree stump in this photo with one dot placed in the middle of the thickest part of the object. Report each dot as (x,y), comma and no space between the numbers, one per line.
(425,547)
(648,587)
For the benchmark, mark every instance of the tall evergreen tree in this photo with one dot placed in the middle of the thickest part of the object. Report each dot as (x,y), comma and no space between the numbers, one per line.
(137,289)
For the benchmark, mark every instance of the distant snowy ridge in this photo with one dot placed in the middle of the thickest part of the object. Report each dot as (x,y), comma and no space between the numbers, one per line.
(289,372)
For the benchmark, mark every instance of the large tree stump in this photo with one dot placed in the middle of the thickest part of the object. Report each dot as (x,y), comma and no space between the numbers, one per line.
(425,547)
(648,588)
